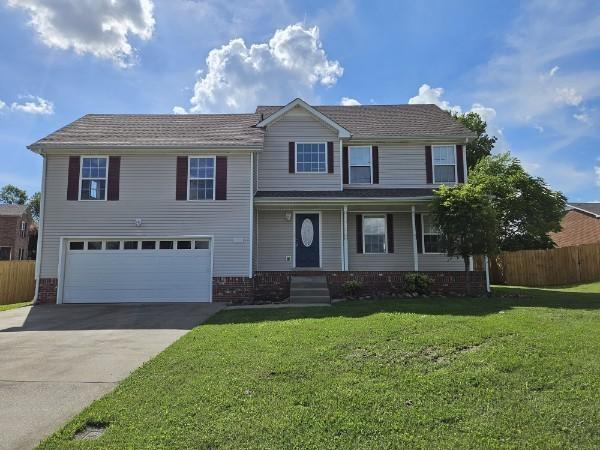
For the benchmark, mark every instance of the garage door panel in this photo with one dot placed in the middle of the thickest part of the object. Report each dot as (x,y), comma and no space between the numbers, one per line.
(112,276)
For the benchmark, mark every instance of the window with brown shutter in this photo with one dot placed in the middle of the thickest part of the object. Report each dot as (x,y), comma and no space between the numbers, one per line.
(291,157)
(329,157)
(345,165)
(114,173)
(419,233)
(73,178)
(428,164)
(181,183)
(390,233)
(460,168)
(375,158)
(359,234)
(221,181)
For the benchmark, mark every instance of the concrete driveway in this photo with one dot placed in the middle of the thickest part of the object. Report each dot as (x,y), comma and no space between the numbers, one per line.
(56,359)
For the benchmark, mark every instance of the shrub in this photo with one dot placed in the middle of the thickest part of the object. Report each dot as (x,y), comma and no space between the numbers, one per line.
(351,288)
(418,283)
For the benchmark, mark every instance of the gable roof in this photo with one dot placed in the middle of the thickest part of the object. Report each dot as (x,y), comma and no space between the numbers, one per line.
(12,210)
(298,102)
(591,208)
(388,121)
(157,130)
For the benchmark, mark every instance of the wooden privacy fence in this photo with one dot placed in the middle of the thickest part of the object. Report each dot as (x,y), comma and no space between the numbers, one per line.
(17,281)
(564,265)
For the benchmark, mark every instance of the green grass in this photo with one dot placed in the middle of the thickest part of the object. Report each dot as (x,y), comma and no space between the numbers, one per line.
(506,372)
(14,305)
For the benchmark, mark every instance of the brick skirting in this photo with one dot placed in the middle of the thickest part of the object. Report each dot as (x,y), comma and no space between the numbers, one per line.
(275,286)
(47,290)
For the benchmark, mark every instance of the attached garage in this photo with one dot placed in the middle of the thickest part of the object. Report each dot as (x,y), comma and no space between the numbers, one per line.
(126,270)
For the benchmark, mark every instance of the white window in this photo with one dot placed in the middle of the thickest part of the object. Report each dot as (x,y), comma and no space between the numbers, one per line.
(374,234)
(23,229)
(444,164)
(360,167)
(93,178)
(201,178)
(432,238)
(311,158)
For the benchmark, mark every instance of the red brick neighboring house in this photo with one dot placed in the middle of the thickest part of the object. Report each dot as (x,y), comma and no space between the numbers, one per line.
(15,224)
(581,225)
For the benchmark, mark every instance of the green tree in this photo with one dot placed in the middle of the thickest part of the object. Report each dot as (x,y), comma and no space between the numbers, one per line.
(526,207)
(33,205)
(12,195)
(467,221)
(483,144)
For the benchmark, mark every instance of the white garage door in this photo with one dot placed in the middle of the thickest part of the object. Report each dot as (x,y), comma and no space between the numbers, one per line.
(137,270)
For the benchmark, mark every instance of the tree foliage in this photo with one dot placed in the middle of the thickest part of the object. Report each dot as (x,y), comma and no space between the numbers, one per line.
(467,221)
(526,207)
(483,144)
(33,206)
(12,195)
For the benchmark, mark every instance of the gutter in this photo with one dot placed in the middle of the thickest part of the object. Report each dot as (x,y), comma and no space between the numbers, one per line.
(115,147)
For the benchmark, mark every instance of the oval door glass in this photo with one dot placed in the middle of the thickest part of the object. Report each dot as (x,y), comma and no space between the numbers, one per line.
(307,232)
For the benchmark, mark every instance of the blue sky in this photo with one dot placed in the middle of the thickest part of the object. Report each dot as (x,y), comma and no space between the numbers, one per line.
(532,69)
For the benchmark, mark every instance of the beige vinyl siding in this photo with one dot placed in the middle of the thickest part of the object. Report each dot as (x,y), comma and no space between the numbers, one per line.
(400,259)
(147,191)
(273,169)
(439,262)
(276,240)
(401,165)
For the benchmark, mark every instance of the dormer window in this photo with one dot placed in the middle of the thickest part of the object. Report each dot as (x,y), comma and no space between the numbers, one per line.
(93,178)
(311,157)
(360,165)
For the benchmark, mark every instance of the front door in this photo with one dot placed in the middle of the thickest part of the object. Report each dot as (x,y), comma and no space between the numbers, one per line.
(307,240)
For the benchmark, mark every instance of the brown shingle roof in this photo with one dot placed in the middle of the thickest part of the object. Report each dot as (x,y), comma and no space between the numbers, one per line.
(418,121)
(12,210)
(157,130)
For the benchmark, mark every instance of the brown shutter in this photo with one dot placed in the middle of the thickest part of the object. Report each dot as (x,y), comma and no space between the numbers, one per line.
(375,157)
(114,173)
(359,234)
(221,178)
(181,183)
(428,164)
(345,165)
(460,168)
(73,178)
(292,157)
(330,157)
(419,233)
(390,233)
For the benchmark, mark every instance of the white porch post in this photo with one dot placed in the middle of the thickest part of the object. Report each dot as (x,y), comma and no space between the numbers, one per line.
(345,246)
(414,239)
(487,274)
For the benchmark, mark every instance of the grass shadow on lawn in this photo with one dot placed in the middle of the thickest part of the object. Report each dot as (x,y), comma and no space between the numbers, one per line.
(504,298)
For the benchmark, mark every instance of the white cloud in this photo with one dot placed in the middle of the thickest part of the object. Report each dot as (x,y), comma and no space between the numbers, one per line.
(486,113)
(37,105)
(291,64)
(583,117)
(429,95)
(539,128)
(102,28)
(2,105)
(553,71)
(348,101)
(597,172)
(179,110)
(568,96)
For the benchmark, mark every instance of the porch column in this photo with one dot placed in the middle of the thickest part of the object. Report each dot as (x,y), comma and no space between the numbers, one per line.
(414,239)
(345,245)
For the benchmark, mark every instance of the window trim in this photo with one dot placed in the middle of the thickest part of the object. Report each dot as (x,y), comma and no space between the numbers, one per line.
(214,177)
(81,158)
(425,252)
(326,171)
(350,147)
(433,164)
(385,233)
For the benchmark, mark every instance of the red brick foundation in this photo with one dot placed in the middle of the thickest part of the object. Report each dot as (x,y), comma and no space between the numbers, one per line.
(232,289)
(47,291)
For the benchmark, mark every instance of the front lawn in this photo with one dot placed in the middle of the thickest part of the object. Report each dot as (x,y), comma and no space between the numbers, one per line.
(14,305)
(508,372)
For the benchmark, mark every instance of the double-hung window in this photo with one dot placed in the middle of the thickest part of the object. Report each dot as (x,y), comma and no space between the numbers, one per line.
(432,238)
(201,178)
(374,234)
(311,158)
(444,164)
(360,165)
(93,178)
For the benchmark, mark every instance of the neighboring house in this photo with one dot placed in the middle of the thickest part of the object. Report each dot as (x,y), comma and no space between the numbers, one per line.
(15,224)
(227,207)
(580,225)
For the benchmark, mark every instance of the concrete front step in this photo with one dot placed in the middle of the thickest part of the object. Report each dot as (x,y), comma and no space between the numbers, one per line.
(309,289)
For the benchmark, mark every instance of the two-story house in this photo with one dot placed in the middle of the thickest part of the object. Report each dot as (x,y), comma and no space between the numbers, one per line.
(15,225)
(230,207)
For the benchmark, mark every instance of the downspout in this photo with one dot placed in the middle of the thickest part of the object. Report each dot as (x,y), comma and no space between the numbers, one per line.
(341,166)
(38,252)
(414,239)
(345,238)
(251,255)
